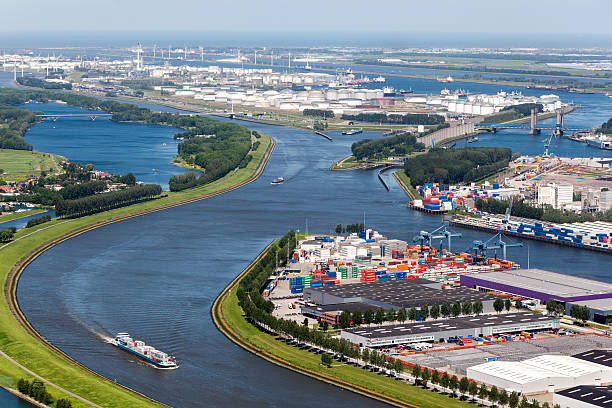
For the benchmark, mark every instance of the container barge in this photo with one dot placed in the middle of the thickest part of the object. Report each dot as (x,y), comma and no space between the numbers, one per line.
(147,353)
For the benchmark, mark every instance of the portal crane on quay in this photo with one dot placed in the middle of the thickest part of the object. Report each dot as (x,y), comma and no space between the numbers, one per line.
(494,243)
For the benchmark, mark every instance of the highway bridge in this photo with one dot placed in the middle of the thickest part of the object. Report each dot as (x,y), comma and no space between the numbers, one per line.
(534,129)
(91,116)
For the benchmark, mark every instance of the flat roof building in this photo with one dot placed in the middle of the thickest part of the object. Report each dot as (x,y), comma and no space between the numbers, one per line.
(475,326)
(545,373)
(544,285)
(584,396)
(396,294)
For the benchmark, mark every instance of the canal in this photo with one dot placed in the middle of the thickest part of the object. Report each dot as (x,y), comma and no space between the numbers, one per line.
(156,276)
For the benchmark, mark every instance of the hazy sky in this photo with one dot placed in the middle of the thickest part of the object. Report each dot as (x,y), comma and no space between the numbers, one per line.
(509,16)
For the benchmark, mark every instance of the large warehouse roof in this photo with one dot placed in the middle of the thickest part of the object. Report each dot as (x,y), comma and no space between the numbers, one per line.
(444,325)
(565,365)
(405,292)
(595,396)
(557,285)
(514,371)
(603,357)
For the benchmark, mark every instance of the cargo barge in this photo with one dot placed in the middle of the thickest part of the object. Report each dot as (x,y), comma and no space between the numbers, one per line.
(147,353)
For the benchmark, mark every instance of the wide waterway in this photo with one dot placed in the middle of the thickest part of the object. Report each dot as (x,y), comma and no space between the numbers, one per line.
(156,276)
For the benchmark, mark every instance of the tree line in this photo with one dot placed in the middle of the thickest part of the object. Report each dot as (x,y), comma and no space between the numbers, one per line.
(74,191)
(400,145)
(445,310)
(451,166)
(350,228)
(323,113)
(544,212)
(407,119)
(105,201)
(38,220)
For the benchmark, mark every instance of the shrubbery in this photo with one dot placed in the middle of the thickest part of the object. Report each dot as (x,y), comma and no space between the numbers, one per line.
(408,119)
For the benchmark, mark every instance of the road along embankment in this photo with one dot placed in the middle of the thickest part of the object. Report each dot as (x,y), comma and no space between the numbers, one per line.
(27,348)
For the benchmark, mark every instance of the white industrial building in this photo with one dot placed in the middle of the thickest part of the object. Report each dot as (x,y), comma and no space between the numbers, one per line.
(556,195)
(546,373)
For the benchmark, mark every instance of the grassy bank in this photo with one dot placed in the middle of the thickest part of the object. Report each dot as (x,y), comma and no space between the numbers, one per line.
(21,164)
(21,342)
(229,318)
(17,215)
(404,182)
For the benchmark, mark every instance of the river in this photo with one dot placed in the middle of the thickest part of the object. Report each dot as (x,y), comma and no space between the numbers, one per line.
(156,276)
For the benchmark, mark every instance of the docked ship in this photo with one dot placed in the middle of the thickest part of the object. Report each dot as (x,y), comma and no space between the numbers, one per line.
(276,181)
(600,142)
(147,353)
(352,132)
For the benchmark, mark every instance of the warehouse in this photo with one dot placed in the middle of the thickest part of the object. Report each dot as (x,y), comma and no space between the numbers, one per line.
(396,294)
(601,309)
(603,357)
(540,285)
(475,326)
(545,373)
(584,396)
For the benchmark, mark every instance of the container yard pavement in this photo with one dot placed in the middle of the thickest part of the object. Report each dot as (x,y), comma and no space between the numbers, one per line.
(23,344)
(229,318)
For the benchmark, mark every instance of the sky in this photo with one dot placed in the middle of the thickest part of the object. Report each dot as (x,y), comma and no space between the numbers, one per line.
(584,18)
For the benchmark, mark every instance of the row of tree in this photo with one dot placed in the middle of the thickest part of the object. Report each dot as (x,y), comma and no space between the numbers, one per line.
(399,145)
(544,212)
(407,119)
(37,390)
(350,228)
(321,113)
(451,166)
(74,191)
(445,310)
(38,220)
(105,201)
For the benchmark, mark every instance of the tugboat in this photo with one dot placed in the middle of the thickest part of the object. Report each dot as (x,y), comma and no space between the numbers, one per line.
(147,353)
(277,181)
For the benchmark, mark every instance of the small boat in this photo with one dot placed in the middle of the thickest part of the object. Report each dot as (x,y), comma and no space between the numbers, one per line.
(473,139)
(163,144)
(147,353)
(277,181)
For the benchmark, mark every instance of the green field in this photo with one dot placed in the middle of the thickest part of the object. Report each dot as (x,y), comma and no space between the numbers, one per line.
(21,164)
(229,317)
(18,343)
(406,180)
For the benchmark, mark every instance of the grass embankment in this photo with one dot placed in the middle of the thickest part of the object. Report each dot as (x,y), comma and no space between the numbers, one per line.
(346,163)
(229,318)
(404,181)
(17,215)
(17,337)
(21,164)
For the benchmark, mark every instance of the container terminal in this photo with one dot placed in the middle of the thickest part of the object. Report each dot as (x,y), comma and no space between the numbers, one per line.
(519,347)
